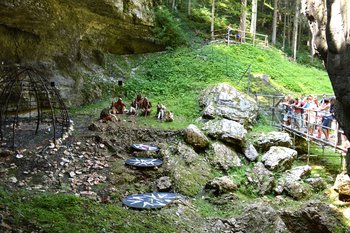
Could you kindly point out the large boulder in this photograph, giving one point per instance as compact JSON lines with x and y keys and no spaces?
{"x":224,"y":101}
{"x":225,"y":157}
{"x":291,"y":182}
{"x":221,"y":185}
{"x":226,"y":130}
{"x":342,"y":186}
{"x":279,"y":158}
{"x":261,"y":178}
{"x":313,"y":217}
{"x":195,"y":137}
{"x":250,"y":152}
{"x":258,"y":217}
{"x":317,"y":183}
{"x":265,"y":141}
{"x":188,"y":171}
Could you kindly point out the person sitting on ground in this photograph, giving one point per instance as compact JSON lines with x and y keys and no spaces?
{"x":146,"y":107}
{"x":169,"y":116}
{"x":118,"y":107}
{"x":160,"y":111}
{"x":133,"y":107}
{"x":106,"y":115}
{"x":139,"y":101}
{"x":136,"y":104}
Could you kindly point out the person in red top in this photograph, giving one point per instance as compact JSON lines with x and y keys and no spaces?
{"x":298,"y":112}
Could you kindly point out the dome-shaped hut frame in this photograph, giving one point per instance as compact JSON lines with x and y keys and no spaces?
{"x":29,"y":105}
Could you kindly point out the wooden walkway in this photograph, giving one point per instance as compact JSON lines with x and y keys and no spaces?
{"x":332,"y":143}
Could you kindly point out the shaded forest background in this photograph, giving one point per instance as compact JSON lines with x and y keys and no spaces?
{"x":281,"y":20}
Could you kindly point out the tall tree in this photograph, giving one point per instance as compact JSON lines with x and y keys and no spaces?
{"x":284,"y":25}
{"x":243,"y":19}
{"x":254,"y":16}
{"x":212,"y":19}
{"x":295,"y":29}
{"x":274,"y":22}
{"x":189,"y":8}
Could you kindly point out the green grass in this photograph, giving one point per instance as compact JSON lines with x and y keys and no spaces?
{"x":177,"y":77}
{"x":68,"y":213}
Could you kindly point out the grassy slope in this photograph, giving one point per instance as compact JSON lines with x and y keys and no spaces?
{"x":176,"y":78}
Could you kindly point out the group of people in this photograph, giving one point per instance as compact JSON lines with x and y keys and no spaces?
{"x":310,"y":113}
{"x":139,"y":106}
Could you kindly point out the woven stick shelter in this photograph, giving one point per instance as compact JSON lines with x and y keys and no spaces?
{"x":31,"y":108}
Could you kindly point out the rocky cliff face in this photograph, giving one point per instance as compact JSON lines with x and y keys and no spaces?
{"x":330,"y":24}
{"x":75,"y":30}
{"x":68,"y":40}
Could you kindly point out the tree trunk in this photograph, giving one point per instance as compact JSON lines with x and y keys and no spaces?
{"x":300,"y":28}
{"x":284,"y":25}
{"x":295,"y":29}
{"x":243,"y":20}
{"x":311,"y":44}
{"x":189,"y":8}
{"x":274,"y":23}
{"x":254,"y":17}
{"x":173,"y":4}
{"x":212,"y":19}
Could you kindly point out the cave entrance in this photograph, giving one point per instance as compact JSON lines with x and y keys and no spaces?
{"x":32,"y":112}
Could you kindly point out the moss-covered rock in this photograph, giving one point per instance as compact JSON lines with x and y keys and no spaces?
{"x":68,"y":40}
{"x":32,"y":30}
{"x":188,"y":170}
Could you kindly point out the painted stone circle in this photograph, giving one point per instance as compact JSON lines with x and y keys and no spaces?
{"x":144,"y":162}
{"x":150,"y":200}
{"x":145,"y":147}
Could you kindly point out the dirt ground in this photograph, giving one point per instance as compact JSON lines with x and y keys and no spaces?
{"x":90,"y":162}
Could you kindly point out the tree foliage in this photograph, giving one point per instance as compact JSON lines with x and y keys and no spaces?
{"x":167,"y":29}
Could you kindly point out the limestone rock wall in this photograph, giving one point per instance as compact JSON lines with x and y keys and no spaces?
{"x":68,"y":39}
{"x":77,"y":30}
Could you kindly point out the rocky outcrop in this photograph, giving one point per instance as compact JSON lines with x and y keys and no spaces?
{"x":163,"y":183}
{"x":224,"y":101}
{"x":258,"y":217}
{"x":188,"y":170}
{"x":342,"y":187}
{"x":313,"y":217}
{"x":317,"y":183}
{"x":226,"y":130}
{"x":265,"y":141}
{"x":74,"y":30}
{"x":225,"y":157}
{"x":279,"y":158}
{"x":329,"y":24}
{"x":67,"y":41}
{"x":250,"y":152}
{"x":195,"y":137}
{"x":221,"y":185}
{"x":291,"y":182}
{"x":261,"y":178}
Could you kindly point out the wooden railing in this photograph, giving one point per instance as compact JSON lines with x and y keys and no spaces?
{"x":223,"y":36}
